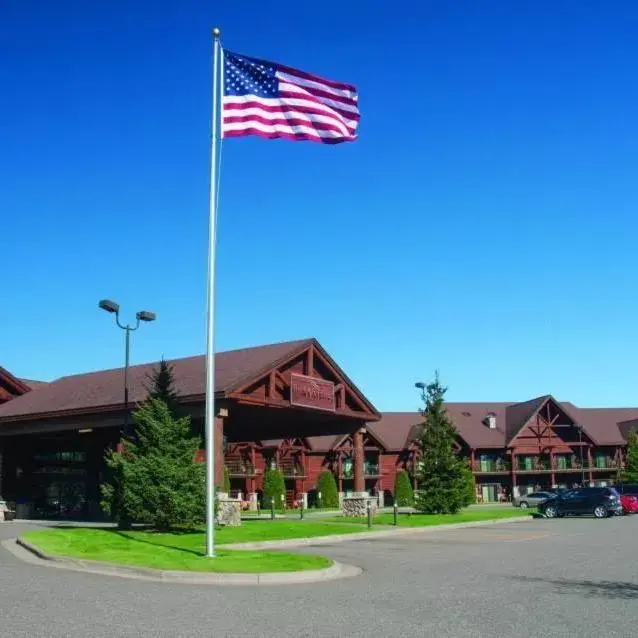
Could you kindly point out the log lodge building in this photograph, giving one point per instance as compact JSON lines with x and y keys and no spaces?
{"x":290,"y":406}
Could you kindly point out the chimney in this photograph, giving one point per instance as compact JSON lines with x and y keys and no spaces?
{"x":490,"y":420}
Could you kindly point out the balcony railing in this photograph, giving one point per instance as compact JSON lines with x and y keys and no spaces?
{"x":491,"y":466}
{"x":238,"y":467}
{"x":291,"y":470}
{"x":566,"y":465}
{"x":369,"y":470}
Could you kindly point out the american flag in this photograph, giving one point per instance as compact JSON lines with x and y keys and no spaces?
{"x":272,"y":100}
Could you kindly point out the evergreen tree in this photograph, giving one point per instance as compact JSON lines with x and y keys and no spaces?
{"x":327,"y":485}
{"x":630,"y":471}
{"x":443,"y":477}
{"x":274,"y":487}
{"x":156,"y":479}
{"x":466,"y":472}
{"x":403,"y":492}
{"x":162,"y":385}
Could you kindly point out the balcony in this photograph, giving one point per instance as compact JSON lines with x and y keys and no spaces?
{"x":606,"y":464}
{"x":559,"y":464}
{"x":370,"y":470}
{"x":237,"y":467}
{"x":291,"y":470}
{"x":491,"y":466}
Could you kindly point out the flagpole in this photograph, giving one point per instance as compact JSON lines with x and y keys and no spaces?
{"x":210,"y":319}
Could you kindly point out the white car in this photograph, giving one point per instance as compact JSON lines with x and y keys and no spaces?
{"x":532,"y":500}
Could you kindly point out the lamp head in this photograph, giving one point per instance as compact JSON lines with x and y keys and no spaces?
{"x":420,"y":385}
{"x":145,"y":315}
{"x":109,"y":306}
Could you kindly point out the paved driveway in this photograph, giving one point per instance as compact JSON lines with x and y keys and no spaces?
{"x":539,"y":578}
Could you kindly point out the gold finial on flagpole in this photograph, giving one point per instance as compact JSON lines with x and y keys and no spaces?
{"x":216,"y":32}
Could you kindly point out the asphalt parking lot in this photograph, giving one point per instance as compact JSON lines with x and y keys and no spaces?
{"x":539,"y":578}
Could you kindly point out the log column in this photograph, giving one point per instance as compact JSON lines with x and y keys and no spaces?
{"x":359,"y":477}
{"x":219,"y":451}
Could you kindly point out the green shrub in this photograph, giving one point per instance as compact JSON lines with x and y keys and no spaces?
{"x":327,"y":485}
{"x":403,"y":492}
{"x":274,"y":487}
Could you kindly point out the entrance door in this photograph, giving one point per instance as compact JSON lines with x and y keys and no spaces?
{"x":489,"y":494}
{"x":62,"y":499}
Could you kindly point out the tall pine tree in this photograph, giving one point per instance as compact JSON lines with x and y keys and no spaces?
{"x":155,"y":478}
{"x":443,"y":486}
{"x":630,"y":471}
{"x":162,"y":385}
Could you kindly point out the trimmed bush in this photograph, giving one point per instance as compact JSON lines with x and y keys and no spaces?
{"x":327,"y":485}
{"x":274,"y":487}
{"x":403,"y":493}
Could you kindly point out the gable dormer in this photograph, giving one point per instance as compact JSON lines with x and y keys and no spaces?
{"x":10,"y":386}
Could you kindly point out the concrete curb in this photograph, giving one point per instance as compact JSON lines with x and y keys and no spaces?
{"x":37,"y":556}
{"x":384,"y":533}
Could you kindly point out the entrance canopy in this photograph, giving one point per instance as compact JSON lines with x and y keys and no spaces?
{"x":296,"y":381}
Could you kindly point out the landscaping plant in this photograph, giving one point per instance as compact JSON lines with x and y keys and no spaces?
{"x":327,"y":485}
{"x":443,"y":479}
{"x":274,"y":487}
{"x":155,"y":477}
{"x":403,"y":492}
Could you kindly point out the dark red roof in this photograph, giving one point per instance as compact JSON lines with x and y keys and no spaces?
{"x":103,"y":388}
{"x":31,"y":383}
{"x":601,"y":424}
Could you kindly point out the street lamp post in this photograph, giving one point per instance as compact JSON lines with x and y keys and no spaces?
{"x":142,"y":315}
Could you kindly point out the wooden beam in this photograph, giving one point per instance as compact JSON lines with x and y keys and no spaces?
{"x":271,"y":385}
{"x":310,"y":361}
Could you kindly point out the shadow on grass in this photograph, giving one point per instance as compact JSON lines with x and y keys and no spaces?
{"x":588,"y":588}
{"x":147,"y":541}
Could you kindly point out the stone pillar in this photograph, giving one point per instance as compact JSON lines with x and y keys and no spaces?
{"x":252,"y":501}
{"x":381,"y":498}
{"x":359,"y":477}
{"x":219,"y":451}
{"x":304,"y":498}
{"x":228,"y":511}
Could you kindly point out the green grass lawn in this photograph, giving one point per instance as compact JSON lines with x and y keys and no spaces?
{"x":185,"y":550}
{"x":178,"y":551}
{"x":282,"y":529}
{"x":424,"y":520}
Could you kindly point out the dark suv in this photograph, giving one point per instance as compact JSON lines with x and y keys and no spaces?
{"x":599,"y":501}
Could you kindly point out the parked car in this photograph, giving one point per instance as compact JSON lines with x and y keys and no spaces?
{"x":597,"y":501}
{"x":531,"y":500}
{"x":629,"y":504}
{"x":629,"y":489}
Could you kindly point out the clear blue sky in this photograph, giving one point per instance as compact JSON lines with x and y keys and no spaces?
{"x":484,"y":224}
